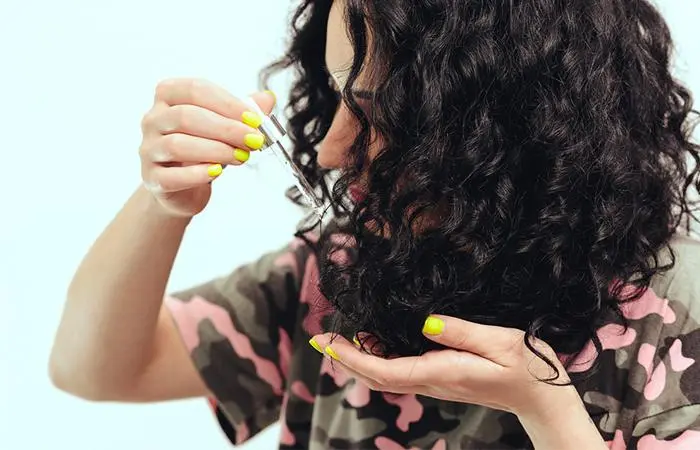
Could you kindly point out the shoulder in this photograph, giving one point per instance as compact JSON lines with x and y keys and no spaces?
{"x":666,"y":373}
{"x":682,"y":282}
{"x":647,"y":388}
{"x":680,"y":286}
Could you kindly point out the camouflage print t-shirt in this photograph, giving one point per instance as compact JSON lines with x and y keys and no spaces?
{"x":248,"y":335}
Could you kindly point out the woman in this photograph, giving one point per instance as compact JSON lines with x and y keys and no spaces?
{"x":510,"y":266}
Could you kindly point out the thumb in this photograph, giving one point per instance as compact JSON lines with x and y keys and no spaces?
{"x":491,"y":342}
{"x":265,"y":100}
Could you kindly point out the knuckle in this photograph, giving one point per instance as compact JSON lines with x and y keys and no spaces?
{"x":143,"y":151}
{"x":179,"y":117}
{"x":463,"y":339}
{"x":155,"y":152}
{"x":164,"y":86}
{"x":172,"y":146}
{"x":148,"y":120}
{"x":195,"y":84}
{"x":194,"y":88}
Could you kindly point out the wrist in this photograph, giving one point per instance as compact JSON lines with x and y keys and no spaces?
{"x":561,"y":422}
{"x":153,"y":208}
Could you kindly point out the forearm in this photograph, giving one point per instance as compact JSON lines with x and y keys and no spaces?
{"x":105,"y":337}
{"x":562,"y":423}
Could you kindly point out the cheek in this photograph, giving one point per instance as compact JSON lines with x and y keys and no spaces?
{"x":340,"y":137}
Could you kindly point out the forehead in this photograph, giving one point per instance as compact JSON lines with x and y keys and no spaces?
{"x":339,"y":52}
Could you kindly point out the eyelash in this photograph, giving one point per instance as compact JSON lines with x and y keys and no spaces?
{"x":361,"y":95}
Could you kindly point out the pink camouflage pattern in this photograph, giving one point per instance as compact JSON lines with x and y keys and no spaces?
{"x":248,"y":336}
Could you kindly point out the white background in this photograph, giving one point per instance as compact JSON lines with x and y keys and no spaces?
{"x":75,"y":78}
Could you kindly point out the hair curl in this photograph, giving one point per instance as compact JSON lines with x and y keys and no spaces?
{"x":547,"y":139}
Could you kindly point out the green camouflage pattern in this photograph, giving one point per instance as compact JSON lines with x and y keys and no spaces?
{"x":248,"y":336}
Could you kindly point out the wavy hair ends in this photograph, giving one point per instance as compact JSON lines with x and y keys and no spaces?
{"x":536,"y":158}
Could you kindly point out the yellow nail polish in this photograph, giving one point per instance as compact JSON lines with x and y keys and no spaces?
{"x":254,"y":141}
{"x":215,"y":170}
{"x":241,"y":155}
{"x":433,"y":326}
{"x":251,"y":119}
{"x":269,"y":92}
{"x":330,"y":352}
{"x":315,"y":345}
{"x":356,"y":341}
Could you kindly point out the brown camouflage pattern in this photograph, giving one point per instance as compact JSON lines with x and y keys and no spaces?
{"x":248,"y":335}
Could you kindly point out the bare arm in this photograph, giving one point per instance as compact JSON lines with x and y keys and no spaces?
{"x":115,"y":340}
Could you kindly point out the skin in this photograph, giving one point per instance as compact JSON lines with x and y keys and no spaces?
{"x":116,"y":342}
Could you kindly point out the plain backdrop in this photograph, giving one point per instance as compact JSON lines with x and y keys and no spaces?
{"x":75,"y":77}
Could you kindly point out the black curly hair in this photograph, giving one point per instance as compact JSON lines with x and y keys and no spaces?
{"x":546,"y":141}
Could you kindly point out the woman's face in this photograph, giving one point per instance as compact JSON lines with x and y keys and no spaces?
{"x":345,"y":128}
{"x":339,"y":56}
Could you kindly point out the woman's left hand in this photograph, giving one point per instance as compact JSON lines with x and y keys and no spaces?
{"x":483,"y":365}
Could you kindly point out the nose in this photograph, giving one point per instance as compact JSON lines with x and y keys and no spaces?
{"x":334,"y":147}
{"x":330,"y":156}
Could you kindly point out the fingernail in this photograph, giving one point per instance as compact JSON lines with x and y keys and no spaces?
{"x":215,"y":170}
{"x":356,"y":341}
{"x":433,"y":326}
{"x":332,"y":353}
{"x":251,"y":119}
{"x":254,"y":141}
{"x":269,"y":92}
{"x":241,"y":155}
{"x":315,"y":345}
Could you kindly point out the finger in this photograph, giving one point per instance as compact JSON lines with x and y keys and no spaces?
{"x":374,"y":386}
{"x":394,"y":373}
{"x":369,"y":382}
{"x":185,"y":148}
{"x":439,"y":367}
{"x":196,"y":121}
{"x":174,"y":179}
{"x":203,"y":93}
{"x":491,"y":342}
{"x":368,"y":343}
{"x":266,"y":100}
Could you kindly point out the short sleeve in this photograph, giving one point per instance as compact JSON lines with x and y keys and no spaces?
{"x":645,"y":393}
{"x":668,"y":359}
{"x":238,"y":330}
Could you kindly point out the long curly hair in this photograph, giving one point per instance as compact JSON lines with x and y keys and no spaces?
{"x":536,"y":159}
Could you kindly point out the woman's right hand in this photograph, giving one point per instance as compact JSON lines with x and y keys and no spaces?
{"x":193,"y":129}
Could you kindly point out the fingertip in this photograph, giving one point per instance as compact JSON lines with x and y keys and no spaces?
{"x":240,"y":155}
{"x":266,"y":100}
{"x":330,"y":352}
{"x":215,"y":170}
{"x":433,"y":326}
{"x":315,"y":345}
